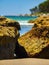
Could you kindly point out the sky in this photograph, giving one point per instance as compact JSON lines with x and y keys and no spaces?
{"x":17,"y":7}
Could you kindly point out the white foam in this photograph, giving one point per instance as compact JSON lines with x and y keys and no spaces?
{"x":21,"y":21}
{"x":26,"y":24}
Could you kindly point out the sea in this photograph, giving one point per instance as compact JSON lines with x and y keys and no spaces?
{"x":23,"y":21}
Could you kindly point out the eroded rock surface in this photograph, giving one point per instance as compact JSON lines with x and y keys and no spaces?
{"x":36,"y":41}
{"x":9,"y":34}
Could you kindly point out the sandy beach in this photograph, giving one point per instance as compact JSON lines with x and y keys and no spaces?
{"x":27,"y":61}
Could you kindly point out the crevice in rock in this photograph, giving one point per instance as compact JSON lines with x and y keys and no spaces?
{"x":20,"y":51}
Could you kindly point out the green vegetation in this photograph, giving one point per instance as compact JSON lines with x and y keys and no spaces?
{"x":41,"y":8}
{"x":44,"y":7}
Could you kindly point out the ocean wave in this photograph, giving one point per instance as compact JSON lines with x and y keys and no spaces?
{"x":25,"y":23}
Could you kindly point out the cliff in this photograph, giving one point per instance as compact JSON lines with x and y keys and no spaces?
{"x":9,"y":34}
{"x":36,"y":41}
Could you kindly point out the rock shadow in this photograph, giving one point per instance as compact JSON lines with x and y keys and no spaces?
{"x":20,"y":51}
{"x":44,"y":54}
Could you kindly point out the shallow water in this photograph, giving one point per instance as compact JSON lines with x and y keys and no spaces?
{"x":25,"y":29}
{"x":24,"y":20}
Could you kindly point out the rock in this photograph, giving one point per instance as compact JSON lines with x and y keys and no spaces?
{"x":10,"y":23}
{"x":20,"y":51}
{"x":2,"y":18}
{"x":31,"y":21}
{"x":36,"y":41}
{"x":42,"y":20}
{"x":9,"y":35}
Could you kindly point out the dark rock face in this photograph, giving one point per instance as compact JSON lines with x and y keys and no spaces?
{"x":2,"y":18}
{"x":7,"y":47}
{"x":15,"y":24}
{"x":20,"y":51}
{"x":9,"y":35}
{"x":43,"y":54}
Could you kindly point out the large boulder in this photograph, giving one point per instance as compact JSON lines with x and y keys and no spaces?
{"x":36,"y":41}
{"x":9,"y":34}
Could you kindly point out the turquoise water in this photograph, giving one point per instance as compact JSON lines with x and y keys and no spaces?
{"x":23,"y":19}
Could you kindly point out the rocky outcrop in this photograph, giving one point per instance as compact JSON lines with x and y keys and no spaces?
{"x":42,"y":20}
{"x":31,"y":21}
{"x":36,"y":41}
{"x":9,"y":34}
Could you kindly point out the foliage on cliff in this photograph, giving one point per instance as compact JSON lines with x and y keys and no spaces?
{"x":41,"y":8}
{"x":44,"y":7}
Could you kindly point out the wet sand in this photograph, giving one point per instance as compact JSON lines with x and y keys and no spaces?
{"x":27,"y":61}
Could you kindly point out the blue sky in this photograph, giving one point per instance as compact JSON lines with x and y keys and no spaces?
{"x":16,"y":7}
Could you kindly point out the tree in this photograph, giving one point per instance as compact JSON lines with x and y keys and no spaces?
{"x":34,"y":10}
{"x":44,"y":7}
